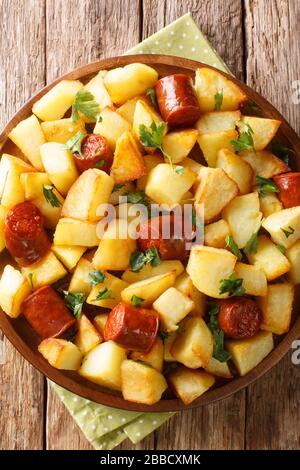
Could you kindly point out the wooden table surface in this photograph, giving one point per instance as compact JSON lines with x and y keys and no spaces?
{"x":42,"y":39}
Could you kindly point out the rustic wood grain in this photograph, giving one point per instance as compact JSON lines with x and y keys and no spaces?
{"x":222,"y":23}
{"x":272,"y":37}
{"x":21,"y":75}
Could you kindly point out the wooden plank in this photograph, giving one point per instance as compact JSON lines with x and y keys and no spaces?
{"x":21,"y":75}
{"x":221,"y":22}
{"x":98,"y":29}
{"x":272,"y":37}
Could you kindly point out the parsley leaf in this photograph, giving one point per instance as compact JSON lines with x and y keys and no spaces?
{"x":75,"y":302}
{"x":96,"y":277}
{"x":30,"y":279}
{"x":288,"y":231}
{"x":117,"y":187}
{"x":244,"y":141}
{"x":50,"y":196}
{"x":153,"y":137}
{"x":281,"y":248}
{"x":218,"y":100}
{"x":103,"y":294}
{"x":219,"y":352}
{"x":152,"y":95}
{"x":266,"y":186}
{"x":138,"y":259}
{"x":281,"y":151}
{"x":163,"y":334}
{"x":86,"y":104}
{"x":179,"y":170}
{"x":100,"y":164}
{"x":74,"y":143}
{"x":252,"y":244}
{"x":137,"y":197}
{"x":232,"y":285}
{"x":230,"y":243}
{"x":136,"y":301}
{"x":253,"y":107}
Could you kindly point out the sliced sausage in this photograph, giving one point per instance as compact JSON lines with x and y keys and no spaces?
{"x":25,"y":236}
{"x":95,"y":154}
{"x":177,"y":100}
{"x":131,"y":327}
{"x":47,"y":313}
{"x":239,"y":317}
{"x":289,"y":189}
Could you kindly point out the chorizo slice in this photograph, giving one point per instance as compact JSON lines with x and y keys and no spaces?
{"x":25,"y":236}
{"x":95,"y":154}
{"x":289,"y":189}
{"x":131,"y":327}
{"x":47,"y":313}
{"x":177,"y":100}
{"x":239,"y":317}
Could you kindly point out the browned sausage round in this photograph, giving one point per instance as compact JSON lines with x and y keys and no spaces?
{"x":177,"y":100}
{"x":47,"y":313}
{"x":289,"y":189}
{"x":25,"y":236}
{"x":133,"y":328}
{"x":239,"y":317}
{"x":95,"y":154}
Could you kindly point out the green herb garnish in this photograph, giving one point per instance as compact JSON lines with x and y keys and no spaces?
{"x":281,"y":151}
{"x":218,"y":100}
{"x":96,"y":277}
{"x":195,"y":220}
{"x":136,"y":301}
{"x":252,"y":244}
{"x":137,"y":197}
{"x":30,"y":278}
{"x":266,"y":185}
{"x":244,"y":141}
{"x":179,"y":170}
{"x":74,"y":143}
{"x":117,"y":187}
{"x":163,"y":334}
{"x":253,"y":107}
{"x":50,"y":196}
{"x":230,"y":243}
{"x":138,"y":259}
{"x":86,"y":104}
{"x":100,"y":164}
{"x":152,"y":95}
{"x":281,"y":248}
{"x":219,"y":352}
{"x":232,"y":285}
{"x":288,"y":231}
{"x":103,"y":294}
{"x":153,"y":137}
{"x":75,"y":302}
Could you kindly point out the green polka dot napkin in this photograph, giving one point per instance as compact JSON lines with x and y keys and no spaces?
{"x":107,"y":427}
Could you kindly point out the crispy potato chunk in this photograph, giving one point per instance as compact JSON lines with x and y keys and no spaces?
{"x":238,"y":170}
{"x":51,"y":214}
{"x":215,"y":234}
{"x":172,"y":306}
{"x":112,"y":126}
{"x":46,"y":271}
{"x":80,"y":281}
{"x":269,"y":258}
{"x":212,"y":142}
{"x":293,"y":255}
{"x":69,"y":255}
{"x":87,"y":336}
{"x":128,"y":164}
{"x":100,"y":322}
{"x":14,"y":288}
{"x":11,"y":188}
{"x":254,"y":278}
{"x":60,"y":353}
{"x":73,"y":232}
{"x":270,"y":204}
{"x":114,"y":285}
{"x":284,"y":226}
{"x":178,"y":144}
{"x":190,"y":384}
{"x":33,"y":184}
{"x":153,"y":358}
{"x":220,"y":369}
{"x":277,"y":308}
{"x":184,"y":284}
{"x":97,"y":88}
{"x":218,"y":121}
{"x":150,"y":271}
{"x":61,"y":130}
{"x":264,"y":163}
{"x":30,"y":147}
{"x":263,"y":129}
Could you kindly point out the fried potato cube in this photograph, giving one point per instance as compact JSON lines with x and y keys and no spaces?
{"x":264,"y":163}
{"x":150,"y":162}
{"x":168,"y":342}
{"x":33,"y":183}
{"x":46,"y":271}
{"x":30,"y":147}
{"x":270,"y":204}
{"x":51,"y":213}
{"x":102,"y":365}
{"x":172,"y":306}
{"x":178,"y":144}
{"x":144,"y":115}
{"x":254,"y":278}
{"x":114,"y":286}
{"x":61,"y":130}
{"x":80,"y":281}
{"x":165,"y":186}
{"x":100,"y":322}
{"x":243,"y":217}
{"x":97,"y":88}
{"x":3,"y":213}
{"x":218,"y":121}
{"x":11,"y":188}
{"x":220,"y":369}
{"x":277,"y":308}
{"x":141,"y":383}
{"x":60,"y":166}
{"x":149,"y":289}
{"x":215,"y":234}
{"x":14,"y":288}
{"x":263,"y":129}
{"x":69,"y":255}
{"x":248,"y":353}
{"x":238,"y":170}
{"x":128,"y":108}
{"x":184,"y":284}
{"x":269,"y":258}
{"x":293,"y":255}
{"x":212,"y":142}
{"x":193,"y":346}
{"x":60,"y":353}
{"x":73,"y":232}
{"x":124,"y":83}
{"x":190,"y":384}
{"x":284,"y":226}
{"x":88,"y":192}
{"x":115,"y":247}
{"x":121,"y":190}
{"x":87,"y":336}
{"x":215,"y":190}
{"x":112,"y":126}
{"x":54,"y":104}
{"x":128,"y":163}
{"x":208,"y":266}
{"x":150,"y":271}
{"x":208,"y":82}
{"x":153,"y":358}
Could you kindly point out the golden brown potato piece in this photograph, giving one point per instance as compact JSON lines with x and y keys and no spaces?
{"x":277,"y":308}
{"x":215,"y":234}
{"x":212,"y":142}
{"x":60,"y":353}
{"x":263,"y":129}
{"x":264,"y":163}
{"x":238,"y":170}
{"x":269,"y":258}
{"x":14,"y":288}
{"x":190,"y":384}
{"x":128,"y":164}
{"x":154,"y":357}
{"x":87,"y":336}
